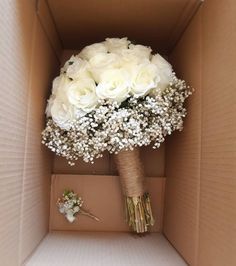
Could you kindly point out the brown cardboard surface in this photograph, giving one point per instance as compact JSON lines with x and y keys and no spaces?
{"x":49,"y":26}
{"x":15,"y":71}
{"x":183,"y":151}
{"x":217,"y":231}
{"x":38,"y":160}
{"x":156,"y":23}
{"x":200,"y":198}
{"x":26,"y":67}
{"x":103,"y":197}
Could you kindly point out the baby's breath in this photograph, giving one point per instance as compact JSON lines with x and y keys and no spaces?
{"x":112,"y":127}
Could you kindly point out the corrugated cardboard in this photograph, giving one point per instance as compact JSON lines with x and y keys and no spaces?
{"x":184,"y":150}
{"x":37,"y":160}
{"x":15,"y":68}
{"x":156,"y":23}
{"x":217,"y":228}
{"x":27,"y":66}
{"x":200,"y":161}
{"x":200,"y":211}
{"x":105,"y":249}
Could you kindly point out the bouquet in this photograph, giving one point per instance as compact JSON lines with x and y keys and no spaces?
{"x":116,"y":96}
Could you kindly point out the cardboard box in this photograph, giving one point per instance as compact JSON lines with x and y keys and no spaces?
{"x":199,"y":163}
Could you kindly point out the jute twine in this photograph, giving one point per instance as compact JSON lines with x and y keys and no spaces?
{"x":137,"y":201}
{"x":131,"y":172}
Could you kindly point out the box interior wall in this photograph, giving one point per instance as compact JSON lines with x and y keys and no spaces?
{"x":198,"y":163}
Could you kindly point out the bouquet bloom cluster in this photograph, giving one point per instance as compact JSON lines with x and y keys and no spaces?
{"x":70,"y":205}
{"x":113,"y":96}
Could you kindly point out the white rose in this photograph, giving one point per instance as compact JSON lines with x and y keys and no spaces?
{"x":115,"y":45}
{"x":59,"y":86}
{"x":67,"y":64}
{"x":62,"y":113}
{"x":140,"y":51}
{"x":137,"y":54}
{"x":114,"y":85}
{"x":145,"y":78}
{"x":91,"y":50}
{"x":165,"y":71}
{"x":77,"y":69}
{"x":49,"y":105}
{"x":102,"y":62}
{"x":82,"y":94}
{"x":58,"y":97}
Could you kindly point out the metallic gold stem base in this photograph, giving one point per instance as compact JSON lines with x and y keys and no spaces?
{"x":139,"y":213}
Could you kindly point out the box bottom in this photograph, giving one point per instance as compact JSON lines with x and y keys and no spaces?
{"x":104,"y":249}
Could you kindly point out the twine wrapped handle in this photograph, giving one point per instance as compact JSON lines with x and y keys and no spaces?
{"x":131,"y":172}
{"x":137,"y":201}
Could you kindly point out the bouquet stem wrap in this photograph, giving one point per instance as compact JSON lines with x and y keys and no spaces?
{"x":137,"y":201}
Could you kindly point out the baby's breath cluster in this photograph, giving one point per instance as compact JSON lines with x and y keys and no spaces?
{"x":116,"y":126}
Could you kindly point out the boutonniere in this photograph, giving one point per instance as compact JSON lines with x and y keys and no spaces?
{"x":70,"y":205}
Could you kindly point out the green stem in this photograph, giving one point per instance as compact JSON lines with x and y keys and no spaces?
{"x":83,"y":212}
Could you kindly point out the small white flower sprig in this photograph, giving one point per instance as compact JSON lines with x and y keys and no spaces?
{"x":70,"y":205}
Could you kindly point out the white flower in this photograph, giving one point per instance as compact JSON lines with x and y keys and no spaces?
{"x":59,"y":86}
{"x":82,"y":94}
{"x":102,"y":62}
{"x":115,"y":45}
{"x":114,"y":85}
{"x":70,"y":217}
{"x":61,"y":208}
{"x":59,"y":106}
{"x":62,"y":113}
{"x":77,"y":69}
{"x":137,"y":54}
{"x":91,"y":50}
{"x":67,"y":64}
{"x":165,"y":71}
{"x":145,"y":78}
{"x":128,"y":60}
{"x":49,"y":105}
{"x":141,"y":51}
{"x":76,"y":209}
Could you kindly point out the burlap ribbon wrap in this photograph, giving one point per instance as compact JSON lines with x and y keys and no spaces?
{"x":137,"y":200}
